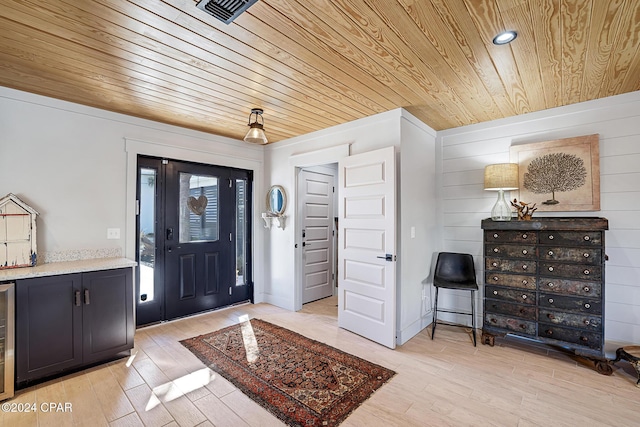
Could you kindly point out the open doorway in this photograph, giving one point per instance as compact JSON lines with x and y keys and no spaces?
{"x":317,"y":227}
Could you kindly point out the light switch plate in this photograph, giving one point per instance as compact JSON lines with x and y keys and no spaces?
{"x":113,"y":233}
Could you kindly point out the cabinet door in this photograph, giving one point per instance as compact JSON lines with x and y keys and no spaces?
{"x":108,"y":328}
{"x":48,"y":326}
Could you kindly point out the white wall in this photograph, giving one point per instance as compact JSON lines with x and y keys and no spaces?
{"x":76,"y":166}
{"x":467,"y":150}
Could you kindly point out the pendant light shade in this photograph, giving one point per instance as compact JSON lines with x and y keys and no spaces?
{"x":256,"y":133}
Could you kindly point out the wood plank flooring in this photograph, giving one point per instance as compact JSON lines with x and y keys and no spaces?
{"x":444,"y":382}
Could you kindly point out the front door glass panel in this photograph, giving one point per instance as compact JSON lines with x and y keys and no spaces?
{"x":198,"y":208}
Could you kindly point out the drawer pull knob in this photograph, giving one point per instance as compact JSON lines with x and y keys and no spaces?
{"x":494,"y":264}
{"x":524,"y":236}
{"x":495,"y":292}
{"x":495,"y":236}
{"x":551,"y":284}
{"x":495,"y":278}
{"x":550,"y":236}
{"x":550,"y":268}
{"x":586,"y":255}
{"x":586,"y":272}
{"x":584,"y":339}
{"x":522,"y":311}
{"x":550,"y":300}
{"x":586,"y":289}
{"x":587,"y":306}
{"x":496,"y":250}
{"x":550,"y":253}
{"x":587,"y":322}
{"x":524,"y":297}
{"x":524,"y":267}
{"x":494,"y":321}
{"x":548,"y":332}
{"x":524,"y":252}
{"x":523,"y":326}
{"x":587,"y":238}
{"x":551,"y":316}
{"x":524,"y":282}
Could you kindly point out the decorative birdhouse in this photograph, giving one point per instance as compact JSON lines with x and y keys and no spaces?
{"x":17,"y":233}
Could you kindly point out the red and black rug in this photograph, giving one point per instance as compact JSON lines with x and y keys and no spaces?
{"x":301,"y":381}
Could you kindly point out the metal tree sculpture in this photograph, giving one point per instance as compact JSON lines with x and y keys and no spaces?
{"x":555,"y":172}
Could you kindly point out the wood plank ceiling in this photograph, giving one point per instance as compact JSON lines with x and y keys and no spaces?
{"x":311,"y":64}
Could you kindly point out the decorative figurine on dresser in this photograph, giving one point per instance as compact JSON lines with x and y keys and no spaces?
{"x":544,"y":280}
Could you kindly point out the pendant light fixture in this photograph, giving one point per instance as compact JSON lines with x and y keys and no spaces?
{"x":256,"y":133}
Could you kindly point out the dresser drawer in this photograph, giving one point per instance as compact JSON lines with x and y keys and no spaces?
{"x":511,"y":265}
{"x":510,"y":251}
{"x":584,"y":338}
{"x":571,"y":238}
{"x":586,"y":321}
{"x":511,"y":236}
{"x":515,"y":295}
{"x":510,"y":309}
{"x":574,"y":304}
{"x":572,"y":271}
{"x":590,"y":256}
{"x":517,"y":325}
{"x":511,"y":280}
{"x":570,"y":287}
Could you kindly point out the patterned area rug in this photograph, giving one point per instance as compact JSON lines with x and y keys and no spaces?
{"x":301,"y":381}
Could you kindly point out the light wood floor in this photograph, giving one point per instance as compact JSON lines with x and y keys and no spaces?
{"x":442,"y":382}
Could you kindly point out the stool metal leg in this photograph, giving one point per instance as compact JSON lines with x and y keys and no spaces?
{"x":435,"y":315}
{"x":473,"y":316}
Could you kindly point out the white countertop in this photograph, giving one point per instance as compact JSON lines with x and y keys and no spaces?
{"x":55,"y":268}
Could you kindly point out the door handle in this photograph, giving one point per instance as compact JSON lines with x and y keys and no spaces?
{"x":387,"y":257}
{"x":170,"y":233}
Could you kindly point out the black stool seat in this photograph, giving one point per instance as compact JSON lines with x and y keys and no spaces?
{"x":455,"y":271}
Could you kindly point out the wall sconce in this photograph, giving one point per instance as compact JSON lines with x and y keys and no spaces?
{"x":256,"y":133}
{"x":501,"y":177}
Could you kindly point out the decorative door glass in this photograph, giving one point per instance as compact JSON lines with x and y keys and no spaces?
{"x":198,"y":208}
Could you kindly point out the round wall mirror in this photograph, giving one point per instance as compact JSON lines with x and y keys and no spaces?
{"x":276,"y":200}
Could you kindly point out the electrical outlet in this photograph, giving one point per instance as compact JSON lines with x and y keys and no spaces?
{"x":113,"y":233}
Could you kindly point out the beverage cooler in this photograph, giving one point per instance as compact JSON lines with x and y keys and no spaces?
{"x":7,"y":328}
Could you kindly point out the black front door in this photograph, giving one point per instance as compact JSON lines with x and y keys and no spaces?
{"x":202,"y":238}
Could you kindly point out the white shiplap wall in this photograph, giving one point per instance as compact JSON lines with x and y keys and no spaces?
{"x":467,"y":150}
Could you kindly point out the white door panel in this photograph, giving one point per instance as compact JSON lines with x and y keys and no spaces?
{"x":366,"y":279}
{"x":315,"y":192}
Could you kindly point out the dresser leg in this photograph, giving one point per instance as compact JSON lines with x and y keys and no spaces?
{"x":488,"y":339}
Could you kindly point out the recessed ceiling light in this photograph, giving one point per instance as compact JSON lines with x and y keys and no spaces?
{"x":505,"y":37}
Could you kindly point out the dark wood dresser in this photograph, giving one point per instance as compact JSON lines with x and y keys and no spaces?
{"x":544,"y":280}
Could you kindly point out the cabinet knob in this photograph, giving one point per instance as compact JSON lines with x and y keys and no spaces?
{"x":587,"y":322}
{"x":524,"y":297}
{"x":587,"y":306}
{"x":586,"y":255}
{"x":584,"y":339}
{"x":523,"y":326}
{"x":586,"y":289}
{"x":551,"y":316}
{"x":550,"y":300}
{"x":494,"y":321}
{"x":524,"y":266}
{"x":587,"y":238}
{"x":496,"y":250}
{"x":550,"y":236}
{"x":524,"y":282}
{"x":495,"y":235}
{"x":524,"y":252}
{"x":495,"y":292}
{"x":494,"y":264}
{"x":550,"y":253}
{"x":548,"y":332}
{"x":522,"y":311}
{"x":551,"y":284}
{"x":586,"y":272}
{"x":524,"y":236}
{"x":495,"y":278}
{"x":550,"y":268}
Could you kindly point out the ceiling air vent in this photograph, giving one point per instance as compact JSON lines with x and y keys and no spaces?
{"x":225,"y":10}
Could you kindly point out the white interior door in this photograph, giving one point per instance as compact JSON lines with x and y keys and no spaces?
{"x":315,"y":193}
{"x":367,"y":246}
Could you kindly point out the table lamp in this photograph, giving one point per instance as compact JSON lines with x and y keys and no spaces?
{"x":501,"y":177}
